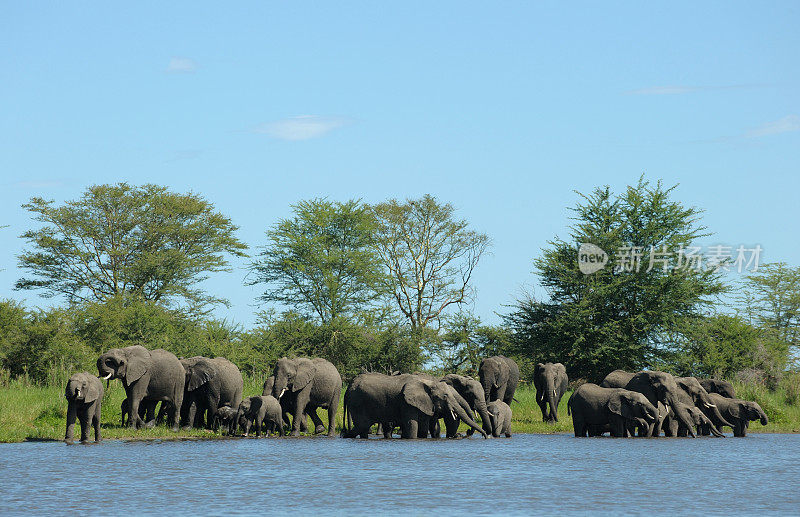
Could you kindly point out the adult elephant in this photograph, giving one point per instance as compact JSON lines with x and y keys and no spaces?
{"x":210,"y":384}
{"x":738,"y":412}
{"x":661,"y":387}
{"x":617,"y":379}
{"x":551,"y":381}
{"x":310,"y":384}
{"x":472,"y":392}
{"x":407,"y":400}
{"x":596,"y":409}
{"x":499,"y":377}
{"x":147,"y":376}
{"x":719,"y":386}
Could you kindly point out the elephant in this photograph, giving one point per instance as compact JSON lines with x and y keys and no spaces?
{"x":501,"y":418}
{"x":596,"y":409}
{"x":499,"y":377}
{"x":84,"y":393}
{"x":722,"y":387}
{"x":737,"y":412}
{"x":701,"y":399}
{"x":311,"y":384}
{"x":409,"y":401}
{"x":227,"y":418}
{"x":472,"y":392}
{"x":256,"y":410}
{"x":617,"y":379}
{"x":210,"y":384}
{"x":287,"y":405}
{"x":551,"y":383}
{"x":147,"y":376}
{"x":658,"y":387}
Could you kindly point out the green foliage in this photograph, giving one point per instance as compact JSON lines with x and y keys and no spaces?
{"x":464,"y":343}
{"x":724,"y":346}
{"x":430,"y":256}
{"x":117,"y":239}
{"x":612,"y":318}
{"x":322,"y":261}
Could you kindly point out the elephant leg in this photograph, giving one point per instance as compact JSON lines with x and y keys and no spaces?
{"x":319,"y":427}
{"x":69,"y":436}
{"x":300,"y":409}
{"x":333,"y":407}
{"x":96,"y":422}
{"x":134,"y":420}
{"x":86,"y":421}
{"x":177,"y":398}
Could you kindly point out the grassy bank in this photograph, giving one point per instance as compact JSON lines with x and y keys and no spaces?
{"x":30,"y":412}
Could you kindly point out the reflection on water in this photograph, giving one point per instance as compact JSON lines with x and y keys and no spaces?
{"x":523,"y":475}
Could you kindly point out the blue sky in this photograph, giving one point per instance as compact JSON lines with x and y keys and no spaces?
{"x":502,"y":110}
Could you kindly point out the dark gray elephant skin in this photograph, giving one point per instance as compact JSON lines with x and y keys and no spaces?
{"x":260,"y":411}
{"x":409,"y":401}
{"x":472,"y":392}
{"x":311,"y":384}
{"x":148,"y":376}
{"x":210,"y":384}
{"x":287,"y":404}
{"x":84,"y":393}
{"x":596,"y":409}
{"x":501,"y":418}
{"x":738,"y":412}
{"x":551,"y":382}
{"x":719,"y":386}
{"x":499,"y":377}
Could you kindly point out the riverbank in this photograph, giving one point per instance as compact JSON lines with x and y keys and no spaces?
{"x":38,"y":413}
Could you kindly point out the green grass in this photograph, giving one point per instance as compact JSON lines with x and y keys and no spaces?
{"x":29,"y":412}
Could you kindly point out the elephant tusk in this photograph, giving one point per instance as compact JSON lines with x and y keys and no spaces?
{"x":710,"y":405}
{"x":554,"y":393}
{"x":282,"y":392}
{"x":453,"y":414}
{"x":107,"y":377}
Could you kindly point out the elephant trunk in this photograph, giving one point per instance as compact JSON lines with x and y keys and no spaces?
{"x":487,"y":388}
{"x":551,"y":402}
{"x":466,"y":419}
{"x":683,"y":416}
{"x":483,"y":411}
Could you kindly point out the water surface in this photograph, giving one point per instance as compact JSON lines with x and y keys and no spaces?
{"x":523,"y":475}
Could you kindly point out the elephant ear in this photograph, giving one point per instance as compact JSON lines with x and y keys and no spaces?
{"x":736,"y":410}
{"x":200,"y":373}
{"x":94,"y":389}
{"x":138,"y":362}
{"x":305,"y":372}
{"x":416,"y":394}
{"x":619,"y":406}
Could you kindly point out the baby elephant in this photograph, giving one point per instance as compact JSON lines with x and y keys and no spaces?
{"x":258,"y":410}
{"x":226,"y":417}
{"x":501,"y":418}
{"x":84,"y":394}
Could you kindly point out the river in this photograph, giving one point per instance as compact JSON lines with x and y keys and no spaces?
{"x":527,"y":474}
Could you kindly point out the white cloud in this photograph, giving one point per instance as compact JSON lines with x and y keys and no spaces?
{"x":784,"y":125}
{"x":181,"y":65}
{"x":663,"y":90}
{"x":302,"y":127}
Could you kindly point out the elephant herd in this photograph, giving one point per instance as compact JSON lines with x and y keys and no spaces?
{"x":648,"y":403}
{"x":205,"y":392}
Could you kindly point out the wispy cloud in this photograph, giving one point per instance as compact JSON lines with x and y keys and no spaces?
{"x":663,"y":90}
{"x":181,"y":65}
{"x":681,"y":89}
{"x":302,"y":127}
{"x":786,"y":124}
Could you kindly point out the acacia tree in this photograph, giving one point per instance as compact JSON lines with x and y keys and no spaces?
{"x":322,"y":260}
{"x":120,"y":239}
{"x":614,"y":318}
{"x":430,"y":256}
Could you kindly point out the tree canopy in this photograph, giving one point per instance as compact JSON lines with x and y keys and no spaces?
{"x":430,"y":256}
{"x":612,"y":318}
{"x":118,"y":239}
{"x":322,"y":261}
